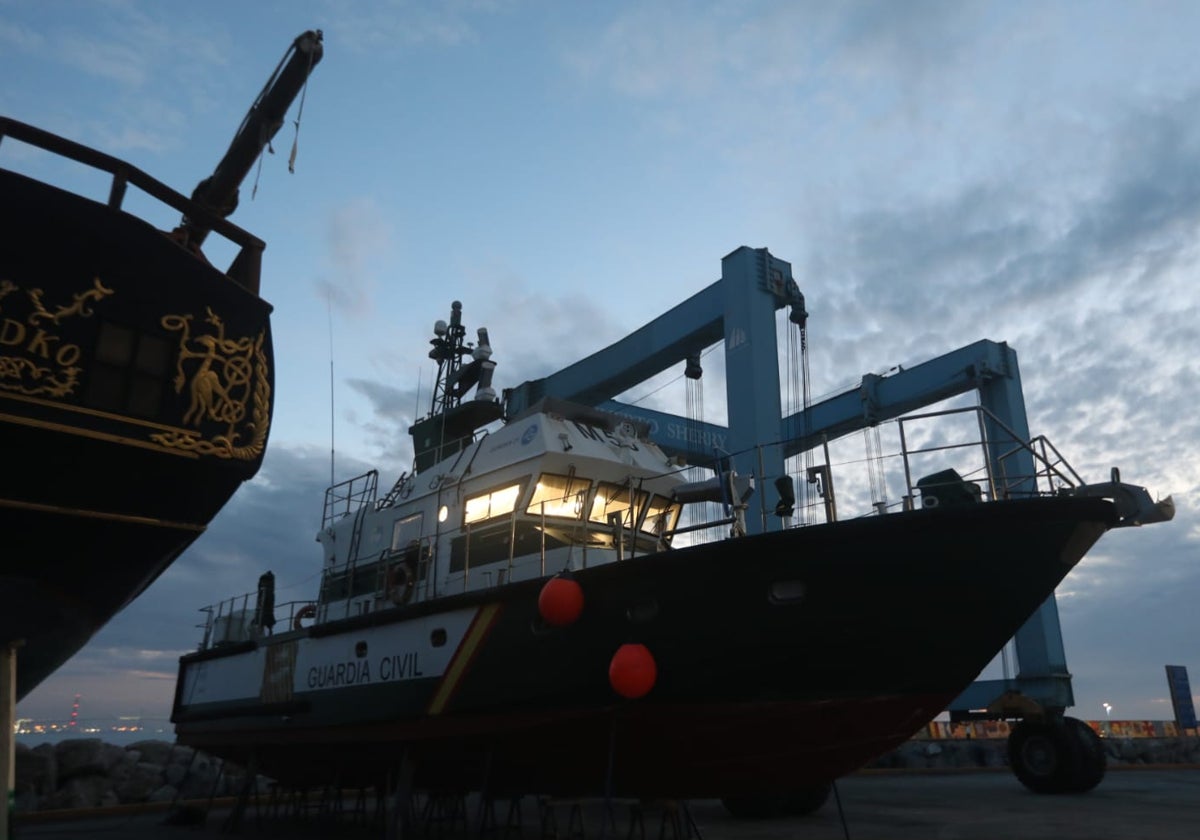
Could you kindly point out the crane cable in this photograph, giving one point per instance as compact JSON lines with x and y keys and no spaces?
{"x":299,"y":114}
{"x":295,"y":122}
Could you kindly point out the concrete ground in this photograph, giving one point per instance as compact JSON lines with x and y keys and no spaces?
{"x":1149,"y":804}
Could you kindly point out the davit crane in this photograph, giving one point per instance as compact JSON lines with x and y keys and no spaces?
{"x":218,"y":193}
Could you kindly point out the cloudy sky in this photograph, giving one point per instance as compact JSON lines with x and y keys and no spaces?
{"x":936,"y":172}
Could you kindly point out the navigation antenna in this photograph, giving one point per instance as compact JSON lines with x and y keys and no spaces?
{"x":329,"y":313}
{"x":452,"y":422}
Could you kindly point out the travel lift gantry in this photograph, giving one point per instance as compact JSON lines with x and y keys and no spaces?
{"x":739,"y":309}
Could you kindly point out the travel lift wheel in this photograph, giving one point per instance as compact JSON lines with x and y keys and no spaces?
{"x":1056,"y":755}
{"x":797,"y":804}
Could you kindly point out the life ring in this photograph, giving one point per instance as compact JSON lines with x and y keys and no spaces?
{"x":399,"y":583}
{"x":307,"y":611}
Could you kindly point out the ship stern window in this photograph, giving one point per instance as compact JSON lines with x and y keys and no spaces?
{"x":559,"y":495}
{"x":129,"y":373}
{"x":617,"y":499}
{"x":492,"y":503}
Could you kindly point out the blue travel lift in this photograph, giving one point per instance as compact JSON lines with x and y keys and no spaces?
{"x":740,"y":310}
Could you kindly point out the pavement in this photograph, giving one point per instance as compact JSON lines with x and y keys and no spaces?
{"x":1149,"y":804}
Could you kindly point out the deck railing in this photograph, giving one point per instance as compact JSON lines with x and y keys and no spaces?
{"x":240,"y":619}
{"x":246,"y":267}
{"x":1005,"y":467}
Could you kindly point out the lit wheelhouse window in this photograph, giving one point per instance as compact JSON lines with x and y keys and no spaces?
{"x":559,"y":495}
{"x":662,"y":515}
{"x":493,"y":503}
{"x":616,"y":498}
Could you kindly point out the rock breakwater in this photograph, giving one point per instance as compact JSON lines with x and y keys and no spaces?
{"x":965,"y":753}
{"x":89,"y":773}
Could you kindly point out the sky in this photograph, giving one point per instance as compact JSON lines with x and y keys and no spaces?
{"x":936,"y":173}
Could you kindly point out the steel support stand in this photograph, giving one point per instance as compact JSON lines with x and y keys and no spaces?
{"x":233,"y":823}
{"x":8,"y":738}
{"x":399,"y":822}
{"x":485,"y":818}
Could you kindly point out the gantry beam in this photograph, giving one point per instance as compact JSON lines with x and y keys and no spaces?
{"x":739,"y":309}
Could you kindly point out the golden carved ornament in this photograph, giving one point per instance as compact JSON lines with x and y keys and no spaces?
{"x":46,"y":365}
{"x":225,"y":378}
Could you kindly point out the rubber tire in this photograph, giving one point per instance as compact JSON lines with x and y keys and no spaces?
{"x":754,"y":807}
{"x":1093,"y":761}
{"x":1044,"y":756}
{"x":806,"y":801}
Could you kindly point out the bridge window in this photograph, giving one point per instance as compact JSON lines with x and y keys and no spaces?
{"x":661,"y":516}
{"x":615,"y":498}
{"x":493,"y":503}
{"x":559,"y":495}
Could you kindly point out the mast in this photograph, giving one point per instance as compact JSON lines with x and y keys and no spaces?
{"x":451,"y":422}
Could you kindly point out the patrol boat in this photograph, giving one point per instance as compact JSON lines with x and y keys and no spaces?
{"x":530,"y":611}
{"x":136,"y":379}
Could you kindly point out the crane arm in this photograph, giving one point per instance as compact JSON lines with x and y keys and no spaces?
{"x":218,"y":193}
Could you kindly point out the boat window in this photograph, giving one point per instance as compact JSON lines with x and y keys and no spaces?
{"x":129,"y":373}
{"x":353,"y":582}
{"x":559,"y":495}
{"x":661,"y":515}
{"x":614,"y":498}
{"x":493,"y":503}
{"x":499,"y":542}
{"x":405,"y":530}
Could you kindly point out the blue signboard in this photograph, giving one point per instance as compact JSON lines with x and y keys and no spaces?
{"x":1181,"y":696}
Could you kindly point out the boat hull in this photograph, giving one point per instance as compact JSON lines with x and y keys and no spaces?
{"x":135,"y":398}
{"x":783,"y":660}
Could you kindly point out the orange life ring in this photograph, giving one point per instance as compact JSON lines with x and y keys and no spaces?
{"x":307,"y":611}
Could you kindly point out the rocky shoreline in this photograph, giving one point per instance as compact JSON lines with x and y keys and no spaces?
{"x":89,"y":773}
{"x":965,"y":753}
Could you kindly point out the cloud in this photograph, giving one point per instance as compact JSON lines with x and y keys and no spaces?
{"x":123,"y":63}
{"x":392,"y":415}
{"x":393,"y":25}
{"x":20,"y":37}
{"x":357,"y":238}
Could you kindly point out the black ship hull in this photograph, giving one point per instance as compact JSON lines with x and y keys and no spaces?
{"x":135,"y":398}
{"x":783,"y":660}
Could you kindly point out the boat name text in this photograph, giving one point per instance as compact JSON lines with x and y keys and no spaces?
{"x":602,"y":435}
{"x":34,"y":360}
{"x":12,"y":334}
{"x":392,"y":668}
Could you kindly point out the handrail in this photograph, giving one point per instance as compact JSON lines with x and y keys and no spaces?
{"x":1043,"y":467}
{"x":1047,"y":464}
{"x":246,"y":266}
{"x":216,"y":612}
{"x":351,"y":500}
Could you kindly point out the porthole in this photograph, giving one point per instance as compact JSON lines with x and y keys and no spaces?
{"x":642,"y":612}
{"x":786,"y":592}
{"x":438,"y":637}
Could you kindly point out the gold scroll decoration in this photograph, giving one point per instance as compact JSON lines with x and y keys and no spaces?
{"x":34,"y":358}
{"x":228,"y":389}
